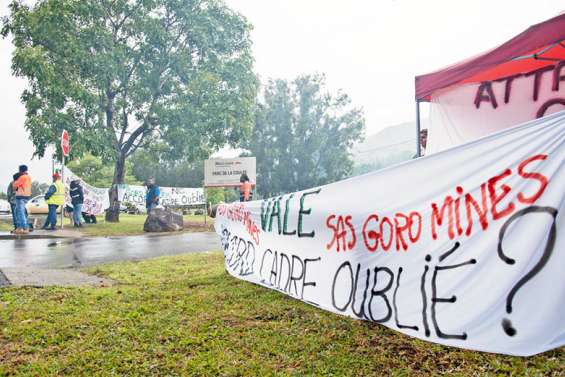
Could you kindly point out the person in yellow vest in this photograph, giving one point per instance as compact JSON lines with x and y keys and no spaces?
{"x":54,"y":197}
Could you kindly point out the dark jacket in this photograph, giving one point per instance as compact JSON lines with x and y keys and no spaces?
{"x":11,"y":194}
{"x":52,"y":189}
{"x":77,"y":194}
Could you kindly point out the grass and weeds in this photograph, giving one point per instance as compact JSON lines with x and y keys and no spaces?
{"x":129,"y":225}
{"x":184,"y":315}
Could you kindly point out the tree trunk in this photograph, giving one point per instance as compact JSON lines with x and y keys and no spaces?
{"x":113,"y":212}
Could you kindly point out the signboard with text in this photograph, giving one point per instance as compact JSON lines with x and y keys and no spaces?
{"x":463,"y":248}
{"x":225,"y":172}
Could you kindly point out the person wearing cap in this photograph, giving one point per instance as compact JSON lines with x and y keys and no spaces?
{"x":55,"y":197}
{"x":77,"y":199}
{"x":152,"y":196}
{"x":22,"y":187}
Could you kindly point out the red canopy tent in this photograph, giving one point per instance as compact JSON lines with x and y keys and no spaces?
{"x":539,"y":46}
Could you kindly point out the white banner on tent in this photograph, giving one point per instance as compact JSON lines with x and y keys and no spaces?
{"x":464,"y":113}
{"x":463,"y":248}
{"x":170,"y":196}
{"x":96,"y":200}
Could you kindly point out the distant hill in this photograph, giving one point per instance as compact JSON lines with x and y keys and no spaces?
{"x":390,"y":146}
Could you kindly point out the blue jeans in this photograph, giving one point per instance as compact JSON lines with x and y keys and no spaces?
{"x":21,"y":213}
{"x":51,"y":220}
{"x":77,"y":212}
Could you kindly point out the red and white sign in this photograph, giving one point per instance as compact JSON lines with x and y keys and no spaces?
{"x":65,"y":144}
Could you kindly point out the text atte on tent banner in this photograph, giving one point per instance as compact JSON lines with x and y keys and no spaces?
{"x":463,"y":248}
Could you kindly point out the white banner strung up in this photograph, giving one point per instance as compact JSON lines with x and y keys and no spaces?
{"x":463,"y":248}
{"x":96,"y":200}
{"x":170,"y":196}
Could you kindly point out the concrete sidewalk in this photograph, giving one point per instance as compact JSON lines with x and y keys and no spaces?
{"x":37,"y":234}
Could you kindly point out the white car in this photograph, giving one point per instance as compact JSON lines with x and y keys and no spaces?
{"x":5,"y":206}
{"x":38,"y":206}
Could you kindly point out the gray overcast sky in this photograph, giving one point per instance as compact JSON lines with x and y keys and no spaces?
{"x":370,"y":49}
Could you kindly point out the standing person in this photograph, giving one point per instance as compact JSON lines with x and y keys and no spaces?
{"x":245,"y":187}
{"x":77,"y":199}
{"x":22,"y":186}
{"x":54,"y":197}
{"x":152,"y":196}
{"x":423,"y":142}
{"x":11,"y":193}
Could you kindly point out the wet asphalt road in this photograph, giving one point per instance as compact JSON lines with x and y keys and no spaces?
{"x":66,"y":253}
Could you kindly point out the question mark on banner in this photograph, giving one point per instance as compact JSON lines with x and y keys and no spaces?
{"x":506,"y":323}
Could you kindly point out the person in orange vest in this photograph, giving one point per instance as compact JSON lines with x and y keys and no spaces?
{"x":245,"y":188}
{"x":55,"y":197}
{"x":22,"y":186}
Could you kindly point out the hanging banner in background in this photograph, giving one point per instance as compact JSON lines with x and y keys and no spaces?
{"x":225,"y":172}
{"x":463,"y":113}
{"x":96,"y":200}
{"x":463,"y":248}
{"x":170,"y":196}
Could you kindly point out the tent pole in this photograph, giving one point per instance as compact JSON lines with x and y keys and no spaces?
{"x":418,"y":149}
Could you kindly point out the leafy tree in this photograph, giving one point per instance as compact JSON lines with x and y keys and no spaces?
{"x":146,"y":164}
{"x":3,"y":195}
{"x":98,"y":174}
{"x":120,"y":75}
{"x":303,"y":135}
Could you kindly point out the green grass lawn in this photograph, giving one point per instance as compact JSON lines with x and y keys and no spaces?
{"x":184,"y":315}
{"x":128,"y":225}
{"x":131,"y":225}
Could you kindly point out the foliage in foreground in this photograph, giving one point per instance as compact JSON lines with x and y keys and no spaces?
{"x":124,"y":74}
{"x":184,"y":315}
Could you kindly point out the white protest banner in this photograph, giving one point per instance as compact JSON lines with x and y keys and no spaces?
{"x":463,"y":113}
{"x":463,"y":247}
{"x":170,"y":196}
{"x":96,"y":200}
{"x":223,"y":172}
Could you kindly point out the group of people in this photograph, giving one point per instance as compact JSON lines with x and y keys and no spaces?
{"x":55,"y":198}
{"x":20,"y":192}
